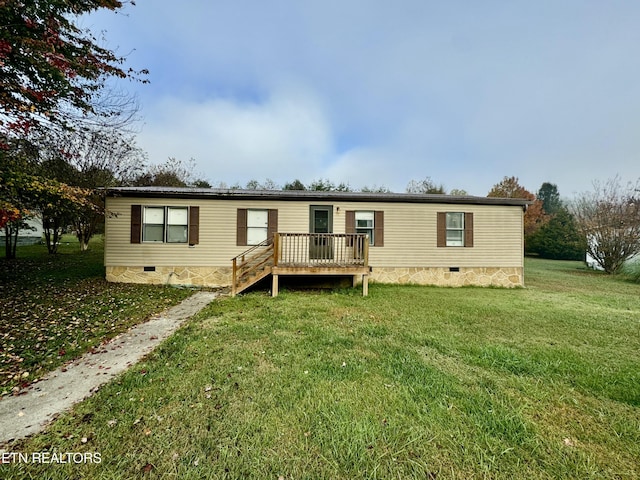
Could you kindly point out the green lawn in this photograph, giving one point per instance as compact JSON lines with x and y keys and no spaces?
{"x":53,"y":308}
{"x":410,"y":382}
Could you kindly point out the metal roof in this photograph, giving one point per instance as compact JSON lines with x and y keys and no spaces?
{"x":298,"y":195}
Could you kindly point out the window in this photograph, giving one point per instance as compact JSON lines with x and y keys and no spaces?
{"x":257,"y":226}
{"x":177,"y":225}
{"x":455,"y":229}
{"x":153,"y":224}
{"x":368,"y":222}
{"x":165,"y":224}
{"x":365,"y":224}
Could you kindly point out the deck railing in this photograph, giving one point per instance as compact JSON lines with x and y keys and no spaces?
{"x":321,"y":249}
{"x":299,"y":251}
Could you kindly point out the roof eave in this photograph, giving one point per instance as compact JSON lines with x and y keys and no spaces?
{"x":299,"y":195}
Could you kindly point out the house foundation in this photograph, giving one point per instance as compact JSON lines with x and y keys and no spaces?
{"x":196,"y":276}
{"x":450,"y":277}
{"x":222,"y":276}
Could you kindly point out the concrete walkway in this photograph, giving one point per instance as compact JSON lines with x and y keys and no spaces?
{"x":30,"y":412}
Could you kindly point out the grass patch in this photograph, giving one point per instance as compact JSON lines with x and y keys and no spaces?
{"x":410,"y":382}
{"x":53,"y":308}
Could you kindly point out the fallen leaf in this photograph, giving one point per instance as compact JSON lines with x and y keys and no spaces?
{"x":147,"y":468}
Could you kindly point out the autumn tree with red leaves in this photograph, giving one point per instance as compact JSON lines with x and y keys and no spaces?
{"x":50,"y":66}
{"x":52,"y":73}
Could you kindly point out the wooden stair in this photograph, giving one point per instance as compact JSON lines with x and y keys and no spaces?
{"x":252,"y":266}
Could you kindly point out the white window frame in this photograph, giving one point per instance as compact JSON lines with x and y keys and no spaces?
{"x":366,"y":216}
{"x":177,"y":223}
{"x":257,"y":226}
{"x":148,"y":212}
{"x":454,"y":229}
{"x":168,"y":221}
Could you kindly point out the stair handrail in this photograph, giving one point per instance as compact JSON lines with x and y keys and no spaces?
{"x":239,"y":261}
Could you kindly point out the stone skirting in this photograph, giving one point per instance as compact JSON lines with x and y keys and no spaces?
{"x":221,"y":276}
{"x":198,"y":276}
{"x":477,"y":276}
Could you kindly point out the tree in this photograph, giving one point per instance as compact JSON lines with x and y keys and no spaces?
{"x":23,"y":194}
{"x":509,"y":187}
{"x":91,"y":157}
{"x":426,"y":186}
{"x":267,"y":185}
{"x":52,"y":76}
{"x":555,"y":235}
{"x":375,"y":189}
{"x":50,"y":66}
{"x":172,"y":173}
{"x":550,"y":198}
{"x":201,"y":184}
{"x":459,"y":192}
{"x":11,"y":221}
{"x":609,"y":218}
{"x":558,"y":239}
{"x":295,"y":185}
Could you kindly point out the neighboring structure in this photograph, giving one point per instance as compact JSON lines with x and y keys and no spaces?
{"x":27,"y":236}
{"x":235,"y":237}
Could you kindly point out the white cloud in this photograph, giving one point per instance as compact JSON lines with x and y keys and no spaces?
{"x":283,"y":136}
{"x":462,"y":92}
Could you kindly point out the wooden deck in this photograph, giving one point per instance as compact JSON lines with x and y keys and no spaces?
{"x":303,"y":254}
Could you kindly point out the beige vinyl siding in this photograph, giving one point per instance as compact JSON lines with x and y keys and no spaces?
{"x":217,"y":232}
{"x":410,"y":236}
{"x":410,"y":231}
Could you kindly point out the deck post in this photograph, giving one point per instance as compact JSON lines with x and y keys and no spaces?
{"x":234,"y":279}
{"x":276,"y":248}
{"x":274,"y":285}
{"x":366,"y":251}
{"x":365,"y":285}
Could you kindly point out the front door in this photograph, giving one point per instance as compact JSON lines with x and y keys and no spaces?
{"x":321,"y":222}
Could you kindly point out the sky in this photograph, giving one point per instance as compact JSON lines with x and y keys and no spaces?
{"x":379,"y":93}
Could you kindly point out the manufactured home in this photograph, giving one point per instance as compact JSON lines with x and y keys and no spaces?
{"x":214,"y":237}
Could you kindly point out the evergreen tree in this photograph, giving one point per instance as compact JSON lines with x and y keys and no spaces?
{"x":550,"y":198}
{"x":558,"y":239}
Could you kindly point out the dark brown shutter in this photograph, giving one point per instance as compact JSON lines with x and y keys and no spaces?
{"x":350,"y":225}
{"x":136,"y":223}
{"x":272,"y":225}
{"x":241,"y":231}
{"x":468,"y":229}
{"x":194,"y":225}
{"x":378,"y":226}
{"x":350,"y":221}
{"x":442,"y":229}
